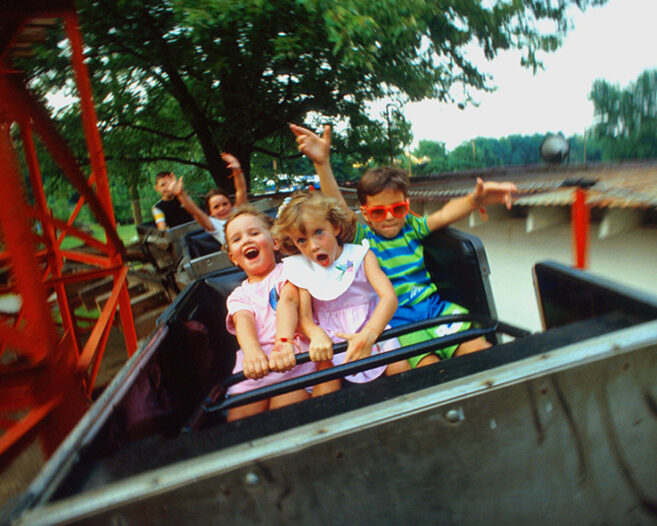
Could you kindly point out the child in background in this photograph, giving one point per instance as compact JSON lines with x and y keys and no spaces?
{"x":217,"y":202}
{"x":168,"y":212}
{"x":395,"y":237}
{"x":351,"y":297}
{"x":262,"y":313}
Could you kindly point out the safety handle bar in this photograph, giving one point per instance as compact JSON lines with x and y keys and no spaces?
{"x":488,"y":326}
{"x":385,"y":335}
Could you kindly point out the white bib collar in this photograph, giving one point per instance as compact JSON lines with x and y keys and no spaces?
{"x":326,"y":283}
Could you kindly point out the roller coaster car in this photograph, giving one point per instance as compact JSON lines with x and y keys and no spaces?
{"x":164,"y":248}
{"x":164,"y":251}
{"x":201,"y":255}
{"x":550,"y":428}
{"x":181,"y":254}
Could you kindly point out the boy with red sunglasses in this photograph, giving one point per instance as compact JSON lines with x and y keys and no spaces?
{"x":395,"y":236}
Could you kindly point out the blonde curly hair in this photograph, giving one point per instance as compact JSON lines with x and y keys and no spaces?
{"x":291,"y":218}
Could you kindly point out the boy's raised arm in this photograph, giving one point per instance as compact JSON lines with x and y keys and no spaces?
{"x":488,"y":193}
{"x":177,"y":188}
{"x":238,"y":177}
{"x":318,"y":150}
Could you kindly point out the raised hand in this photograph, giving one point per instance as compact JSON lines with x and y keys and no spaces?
{"x":231,"y":161}
{"x":492,"y":193}
{"x":316,"y":148}
{"x":175,"y":186}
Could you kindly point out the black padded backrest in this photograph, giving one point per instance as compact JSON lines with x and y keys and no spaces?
{"x":458,"y":266}
{"x":567,"y":295}
{"x":225,"y":281}
{"x":200,"y":243}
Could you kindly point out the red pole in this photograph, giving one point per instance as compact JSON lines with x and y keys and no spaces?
{"x":97,"y":158}
{"x":89,"y":121}
{"x":21,"y":242}
{"x":580,"y":225}
{"x":50,"y":236}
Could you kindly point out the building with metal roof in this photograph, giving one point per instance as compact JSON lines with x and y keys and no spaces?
{"x":620,"y":195}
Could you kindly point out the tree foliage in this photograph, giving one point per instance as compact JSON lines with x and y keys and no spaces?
{"x":433,"y":155}
{"x":626,"y":119}
{"x":486,"y":152}
{"x":179,"y":81}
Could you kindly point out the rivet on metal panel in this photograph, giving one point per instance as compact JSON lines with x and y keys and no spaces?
{"x":455,"y":415}
{"x":252,"y":479}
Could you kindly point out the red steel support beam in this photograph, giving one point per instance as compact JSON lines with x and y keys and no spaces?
{"x":47,"y":389}
{"x":55,"y":263}
{"x":20,"y":240}
{"x":581,"y":228}
{"x":89,"y":121}
{"x":24,"y":103}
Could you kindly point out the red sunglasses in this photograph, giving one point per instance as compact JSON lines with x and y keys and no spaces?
{"x":379,"y":213}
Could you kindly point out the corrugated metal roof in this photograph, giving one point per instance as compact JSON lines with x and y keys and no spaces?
{"x":618,"y":185}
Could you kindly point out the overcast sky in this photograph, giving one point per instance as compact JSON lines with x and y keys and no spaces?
{"x":615,"y":42}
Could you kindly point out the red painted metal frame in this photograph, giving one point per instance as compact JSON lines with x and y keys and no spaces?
{"x":47,"y":377}
{"x":581,"y":228}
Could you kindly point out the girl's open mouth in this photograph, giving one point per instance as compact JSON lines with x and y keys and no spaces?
{"x":251,"y":253}
{"x":323,"y":259}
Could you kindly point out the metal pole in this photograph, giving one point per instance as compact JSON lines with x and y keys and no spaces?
{"x":580,"y":223}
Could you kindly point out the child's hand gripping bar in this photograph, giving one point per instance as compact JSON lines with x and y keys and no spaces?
{"x":488,"y":326}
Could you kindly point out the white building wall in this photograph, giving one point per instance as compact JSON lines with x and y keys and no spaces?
{"x":629,"y":258}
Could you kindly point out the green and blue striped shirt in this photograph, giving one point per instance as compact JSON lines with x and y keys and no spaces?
{"x":402,"y":259}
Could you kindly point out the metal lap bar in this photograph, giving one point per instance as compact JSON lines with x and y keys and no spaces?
{"x":512,"y":330}
{"x":370,"y":362}
{"x":386,"y":335}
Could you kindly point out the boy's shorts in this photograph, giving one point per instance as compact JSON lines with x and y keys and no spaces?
{"x":431,"y":333}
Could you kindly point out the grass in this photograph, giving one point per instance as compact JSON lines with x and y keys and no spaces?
{"x":127,"y":233}
{"x":80,"y":312}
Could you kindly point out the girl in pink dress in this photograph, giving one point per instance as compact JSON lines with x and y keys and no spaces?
{"x":343,"y":293}
{"x":262,"y":313}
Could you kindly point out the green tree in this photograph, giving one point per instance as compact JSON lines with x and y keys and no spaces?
{"x":584,"y":149}
{"x":478,"y":153}
{"x":433,"y":156}
{"x":179,"y":81}
{"x":626,"y":119}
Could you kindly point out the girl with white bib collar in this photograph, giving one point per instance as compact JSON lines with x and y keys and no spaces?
{"x":343,"y":293}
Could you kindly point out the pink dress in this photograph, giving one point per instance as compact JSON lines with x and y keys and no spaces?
{"x":343,"y":299}
{"x":261,"y":299}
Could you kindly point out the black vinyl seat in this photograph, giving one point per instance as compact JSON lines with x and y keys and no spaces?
{"x":199,"y":243}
